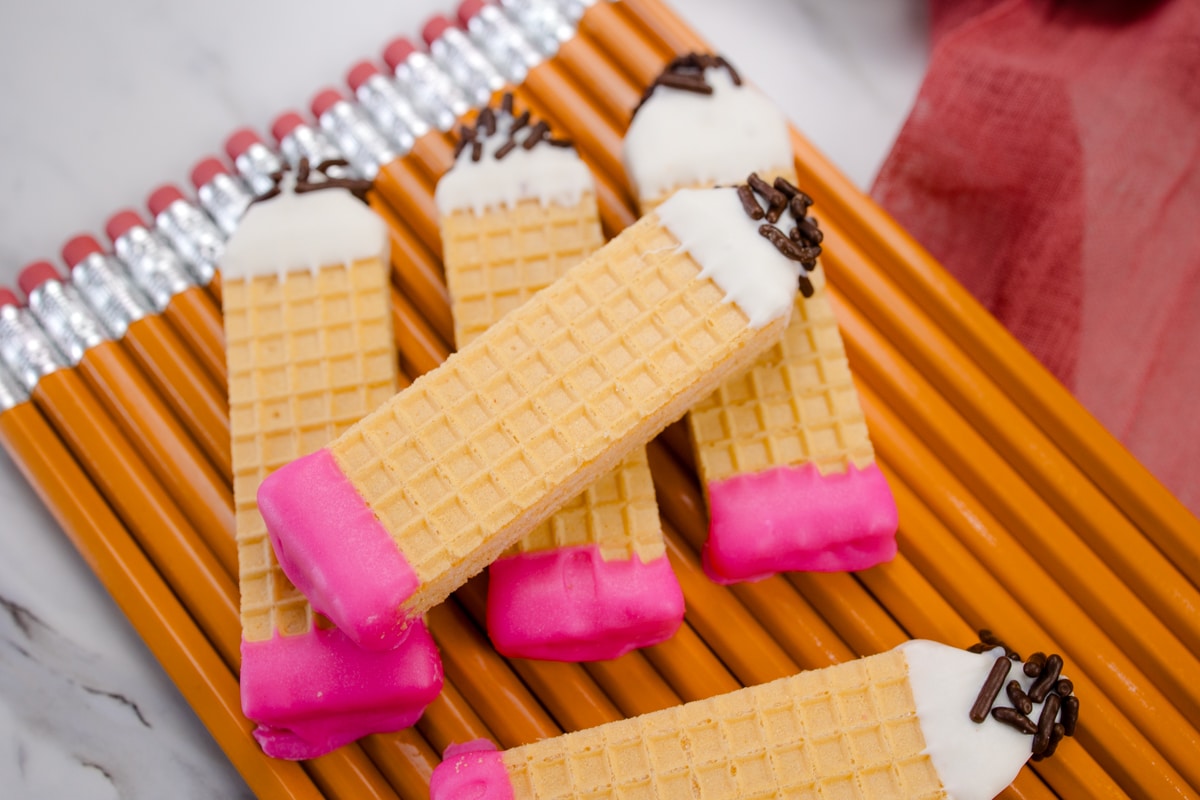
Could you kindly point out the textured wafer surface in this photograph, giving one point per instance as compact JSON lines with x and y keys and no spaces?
{"x":495,"y":261}
{"x":475,"y":453}
{"x":308,"y":356}
{"x":796,"y":405}
{"x":848,"y":731}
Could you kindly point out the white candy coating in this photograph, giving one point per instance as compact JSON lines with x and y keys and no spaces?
{"x":680,"y":138}
{"x":974,"y":760}
{"x":294,"y":232}
{"x":545,"y":173}
{"x":714,"y":228}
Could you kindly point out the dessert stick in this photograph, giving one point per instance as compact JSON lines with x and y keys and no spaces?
{"x":518,"y":210}
{"x":921,"y":607}
{"x":783,"y":450}
{"x":161,"y":275}
{"x":310,"y":351}
{"x":895,"y":724}
{"x":157,"y":347}
{"x":1111,"y":602}
{"x":145,"y":598}
{"x":1052,"y":412}
{"x":974,"y":586}
{"x":158,"y":436}
{"x":604,"y":378}
{"x":128,"y":484}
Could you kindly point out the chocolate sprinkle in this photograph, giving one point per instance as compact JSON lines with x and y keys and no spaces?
{"x":536,"y":134}
{"x":304,"y":184}
{"x":506,"y":103}
{"x":806,"y":287}
{"x":1070,"y":714}
{"x":990,"y":689}
{"x":1033,"y":665}
{"x":506,"y":148}
{"x":1014,"y":719}
{"x":1064,"y":687}
{"x":487,"y":119}
{"x":1041,"y":739}
{"x":520,"y":121}
{"x":686,"y":73}
{"x":476,"y":150}
{"x":749,"y":203}
{"x":488,"y":123}
{"x":776,"y":200}
{"x":1057,"y":734}
{"x":1047,"y":679}
{"x":465,"y":135}
{"x":786,"y":246}
{"x":1017,"y":696}
{"x":806,"y":230}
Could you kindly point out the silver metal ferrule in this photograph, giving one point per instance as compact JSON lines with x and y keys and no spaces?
{"x":226,"y":199}
{"x":433,"y":93}
{"x":257,"y":165}
{"x":391,"y":112}
{"x":66,"y":319}
{"x":12,"y":393}
{"x":574,"y":10}
{"x":108,"y":289}
{"x":308,"y":142}
{"x":156,"y":269}
{"x":24,"y":348}
{"x":541,"y":22}
{"x":364,"y":146}
{"x":502,"y":42}
{"x":195,"y":237}
{"x":467,"y":66}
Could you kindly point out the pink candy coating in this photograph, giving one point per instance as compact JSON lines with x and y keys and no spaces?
{"x":331,"y":546}
{"x":314,"y":692}
{"x":569,"y":604}
{"x":473,"y":770}
{"x":794,"y":518}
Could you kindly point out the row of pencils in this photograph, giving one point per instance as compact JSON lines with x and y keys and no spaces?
{"x":1019,"y":514}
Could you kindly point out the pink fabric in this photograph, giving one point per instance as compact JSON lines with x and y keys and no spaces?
{"x":1050,"y":162}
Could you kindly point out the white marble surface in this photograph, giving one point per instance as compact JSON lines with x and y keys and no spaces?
{"x":105,"y":101}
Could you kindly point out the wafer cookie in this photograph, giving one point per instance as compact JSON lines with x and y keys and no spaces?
{"x":920,"y":721}
{"x":429,"y":489}
{"x":518,"y":209}
{"x":309,"y":352}
{"x":783,"y":451}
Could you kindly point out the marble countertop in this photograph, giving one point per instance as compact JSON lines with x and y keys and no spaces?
{"x":106,"y":101}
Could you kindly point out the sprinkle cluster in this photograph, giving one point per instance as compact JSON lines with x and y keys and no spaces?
{"x":686,"y":72}
{"x":1049,"y":688}
{"x":803,"y":242}
{"x":491,"y":120}
{"x":331,"y":179}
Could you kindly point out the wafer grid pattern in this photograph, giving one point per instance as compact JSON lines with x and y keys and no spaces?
{"x":308,"y":356}
{"x":796,"y":405}
{"x":520,"y":419}
{"x":495,"y":262}
{"x":648,"y":204}
{"x":847,"y":732}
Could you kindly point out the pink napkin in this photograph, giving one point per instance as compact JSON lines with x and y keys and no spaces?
{"x":1052,"y":163}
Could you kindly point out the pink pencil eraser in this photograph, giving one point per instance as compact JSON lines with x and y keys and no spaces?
{"x":162,"y":197}
{"x":7,"y":298}
{"x":240,"y":141}
{"x":435,"y":27}
{"x":285,"y":123}
{"x":206,"y":170}
{"x":79,"y":248}
{"x":468,"y":10}
{"x":120,"y":223}
{"x":359,"y":74}
{"x":397,"y":51}
{"x":35,"y":274}
{"x":325,"y":100}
